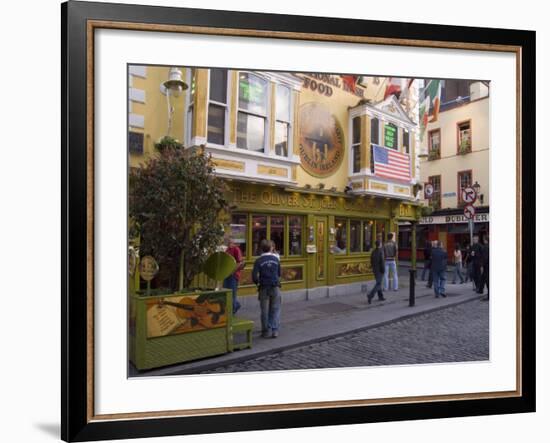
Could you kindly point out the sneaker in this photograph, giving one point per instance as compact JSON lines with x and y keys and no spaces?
{"x":381,"y":299}
{"x":369,"y":299}
{"x":443,"y":294}
{"x":275,"y":334}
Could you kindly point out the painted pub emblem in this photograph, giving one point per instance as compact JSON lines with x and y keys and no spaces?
{"x":321,"y":140}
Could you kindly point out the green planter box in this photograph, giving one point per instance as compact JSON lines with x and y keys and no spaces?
{"x":180,"y":327}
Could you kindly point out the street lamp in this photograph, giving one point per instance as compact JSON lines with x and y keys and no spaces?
{"x":476,"y":187}
{"x":172,"y":87}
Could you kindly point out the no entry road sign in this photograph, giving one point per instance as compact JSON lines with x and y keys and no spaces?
{"x":469,"y":195}
{"x":469,"y":212}
{"x":428,"y":190}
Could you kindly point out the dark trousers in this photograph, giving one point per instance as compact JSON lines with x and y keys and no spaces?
{"x":484,"y":280}
{"x":377,"y":288}
{"x":476,"y":276}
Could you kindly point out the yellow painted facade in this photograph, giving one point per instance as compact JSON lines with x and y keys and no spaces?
{"x":325,"y":215}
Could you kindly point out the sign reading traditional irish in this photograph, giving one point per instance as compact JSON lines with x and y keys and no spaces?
{"x":321,"y":140}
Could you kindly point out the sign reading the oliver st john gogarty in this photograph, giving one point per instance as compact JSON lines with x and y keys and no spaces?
{"x":179,"y":314}
{"x":321,"y":140}
{"x":390,"y":136}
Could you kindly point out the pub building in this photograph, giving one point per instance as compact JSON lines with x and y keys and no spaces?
{"x":303,"y":155}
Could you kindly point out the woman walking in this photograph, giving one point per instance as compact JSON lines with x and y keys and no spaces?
{"x":457,"y":259}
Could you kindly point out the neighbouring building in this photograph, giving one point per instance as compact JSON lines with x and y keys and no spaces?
{"x":456,"y":155}
{"x":321,"y":164}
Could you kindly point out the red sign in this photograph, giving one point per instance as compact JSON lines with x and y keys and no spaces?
{"x":469,"y":212}
{"x":469,"y":195}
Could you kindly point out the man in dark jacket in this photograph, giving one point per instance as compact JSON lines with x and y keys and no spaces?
{"x":439,"y":269}
{"x":378,"y":267}
{"x":485,"y":264}
{"x":476,"y":255}
{"x":267,"y":276}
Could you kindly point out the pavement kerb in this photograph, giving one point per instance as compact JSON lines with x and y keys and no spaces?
{"x":238,"y":359}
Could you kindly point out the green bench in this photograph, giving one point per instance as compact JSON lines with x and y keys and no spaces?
{"x":239,"y":326}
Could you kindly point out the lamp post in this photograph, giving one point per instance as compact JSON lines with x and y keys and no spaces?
{"x":172,"y":87}
{"x":477,"y":188}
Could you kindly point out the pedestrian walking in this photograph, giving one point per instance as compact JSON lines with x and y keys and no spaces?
{"x":476,"y":255}
{"x":266,"y":274}
{"x":427,"y":260}
{"x":439,"y":269}
{"x":485,"y":266}
{"x":232,"y":282}
{"x":390,"y":254}
{"x":378,"y":268}
{"x":457,"y":259}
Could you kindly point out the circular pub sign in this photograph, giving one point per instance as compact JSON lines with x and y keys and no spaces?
{"x":321,"y":140}
{"x":148,"y":268}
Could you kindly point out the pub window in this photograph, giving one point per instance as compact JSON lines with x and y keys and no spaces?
{"x":367,"y":236}
{"x":356,"y":145}
{"x":259,"y":232}
{"x":238,"y":231}
{"x":404,"y":240}
{"x":464,"y":137}
{"x":341,"y":236}
{"x":217,"y":106}
{"x":252,"y":114}
{"x":354,"y":236}
{"x":277,"y":233}
{"x":434,"y":144}
{"x":390,"y":136}
{"x":282,"y":122}
{"x":374,"y":131}
{"x":406,"y":142}
{"x":295,"y":235}
{"x":435,"y":180}
{"x":464,"y":179}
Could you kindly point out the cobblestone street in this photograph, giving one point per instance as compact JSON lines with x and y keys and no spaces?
{"x":455,"y":334}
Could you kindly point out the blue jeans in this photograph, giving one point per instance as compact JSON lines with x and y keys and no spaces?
{"x":458,"y":272}
{"x":232,"y":283}
{"x":439,"y":282}
{"x":390,"y":266}
{"x":270,"y":305}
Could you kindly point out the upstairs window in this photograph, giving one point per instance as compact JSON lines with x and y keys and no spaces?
{"x":356,"y":145}
{"x":217,"y":106}
{"x":252,"y":113}
{"x":434,"y":144}
{"x":464,"y":179}
{"x":374,"y":131}
{"x":435,"y":180}
{"x":464,"y":137}
{"x":282,"y":122}
{"x":406,"y":141}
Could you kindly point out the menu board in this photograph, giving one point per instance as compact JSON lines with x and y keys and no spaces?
{"x":390,"y":136}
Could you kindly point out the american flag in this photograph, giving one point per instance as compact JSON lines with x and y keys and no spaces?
{"x":389,"y":163}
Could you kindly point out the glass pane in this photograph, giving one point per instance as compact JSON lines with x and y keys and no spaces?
{"x":356,"y":151}
{"x":367,"y":236}
{"x":390,"y":136}
{"x":250,"y":132}
{"x":374,"y":130}
{"x":341,"y":237}
{"x":281,"y":139}
{"x":283,"y":103}
{"x":277,"y":233}
{"x":259,"y":232}
{"x":356,"y":130}
{"x":406,"y":141}
{"x":252,"y":93}
{"x":381,"y":231}
{"x":218,"y":85}
{"x":295,"y":235}
{"x":355,"y":236}
{"x":216,"y":124}
{"x":238,"y":231}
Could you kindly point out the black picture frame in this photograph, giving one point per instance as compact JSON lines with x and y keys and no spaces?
{"x":77,"y":262}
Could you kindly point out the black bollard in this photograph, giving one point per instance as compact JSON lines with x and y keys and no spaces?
{"x":412,"y":283}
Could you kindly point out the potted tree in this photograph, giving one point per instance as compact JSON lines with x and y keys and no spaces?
{"x":176,"y":204}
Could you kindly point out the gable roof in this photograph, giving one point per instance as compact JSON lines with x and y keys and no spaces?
{"x":393,"y":108}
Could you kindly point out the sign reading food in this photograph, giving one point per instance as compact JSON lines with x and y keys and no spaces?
{"x":321,"y":140}
{"x":180,"y":314}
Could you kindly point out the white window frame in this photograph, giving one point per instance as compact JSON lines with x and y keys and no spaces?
{"x":225,"y":105}
{"x":353,"y":145}
{"x":290,"y":116}
{"x":267,"y":117}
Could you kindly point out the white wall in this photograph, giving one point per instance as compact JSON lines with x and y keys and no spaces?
{"x":30,"y":253}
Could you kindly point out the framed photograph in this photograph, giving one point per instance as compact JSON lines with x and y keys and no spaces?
{"x":276,"y":221}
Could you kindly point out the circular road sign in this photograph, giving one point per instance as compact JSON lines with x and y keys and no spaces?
{"x":469,"y":195}
{"x":428,"y":190}
{"x":469,"y":212}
